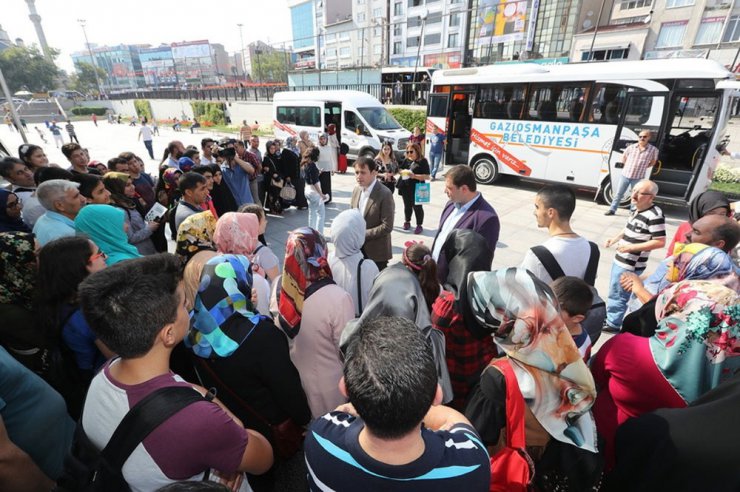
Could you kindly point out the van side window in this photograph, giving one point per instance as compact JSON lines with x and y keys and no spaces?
{"x":299,"y":115}
{"x":350,"y":121}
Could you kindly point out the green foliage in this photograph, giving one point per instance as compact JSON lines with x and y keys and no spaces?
{"x":209,"y":112}
{"x":270,"y":67}
{"x":143,"y":108}
{"x":83,"y":80}
{"x":732,"y":190}
{"x":409,"y":118}
{"x":26,"y":68}
{"x":85,"y":110}
{"x":726,"y":174}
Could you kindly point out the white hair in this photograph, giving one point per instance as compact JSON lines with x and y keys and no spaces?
{"x":54,"y":190}
{"x":651,"y":186}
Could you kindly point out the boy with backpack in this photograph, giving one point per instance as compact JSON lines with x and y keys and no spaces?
{"x":575,"y":298}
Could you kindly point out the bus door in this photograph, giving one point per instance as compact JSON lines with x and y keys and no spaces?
{"x":460,"y":124}
{"x":688,"y":132}
{"x":642,"y":111}
{"x":437,"y":121}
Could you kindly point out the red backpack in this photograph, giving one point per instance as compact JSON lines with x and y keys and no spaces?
{"x":512,"y":469}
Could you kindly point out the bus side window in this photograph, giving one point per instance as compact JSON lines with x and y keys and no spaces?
{"x":608,"y":103}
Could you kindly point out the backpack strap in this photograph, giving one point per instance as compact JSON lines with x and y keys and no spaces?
{"x":548,"y":261}
{"x":258,"y":248}
{"x":359,"y":284}
{"x":142,"y":419}
{"x":593,"y":263}
{"x":515,"y":437}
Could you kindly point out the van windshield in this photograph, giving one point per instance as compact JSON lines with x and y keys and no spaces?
{"x":379,"y":118}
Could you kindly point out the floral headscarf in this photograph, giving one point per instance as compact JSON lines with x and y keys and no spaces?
{"x":17,"y":268}
{"x":696,"y":344}
{"x":701,"y":262}
{"x":306,"y":270}
{"x":170,"y":177}
{"x":237,"y":233}
{"x":196,"y":234}
{"x":522,"y":315}
{"x":225,"y":293}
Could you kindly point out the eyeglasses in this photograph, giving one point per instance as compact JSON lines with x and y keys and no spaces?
{"x":410,"y":151}
{"x":644,"y":194}
{"x":643,"y":137}
{"x":15,"y":204}
{"x":98,"y":255}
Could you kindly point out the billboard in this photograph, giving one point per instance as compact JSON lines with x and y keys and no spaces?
{"x":500,"y":21}
{"x":443,"y":60}
{"x":191,"y":50}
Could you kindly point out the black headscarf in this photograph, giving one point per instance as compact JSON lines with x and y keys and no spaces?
{"x":466,"y":251}
{"x":223,"y":199}
{"x":7,"y":223}
{"x":704,"y":202}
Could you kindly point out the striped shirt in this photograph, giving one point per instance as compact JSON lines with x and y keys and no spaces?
{"x":642,"y":226}
{"x":637,"y":160}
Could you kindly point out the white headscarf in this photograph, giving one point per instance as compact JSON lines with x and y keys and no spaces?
{"x":348,"y":233}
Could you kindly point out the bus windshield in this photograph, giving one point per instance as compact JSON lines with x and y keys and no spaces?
{"x":379,"y":118}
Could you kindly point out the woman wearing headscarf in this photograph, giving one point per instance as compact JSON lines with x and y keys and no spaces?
{"x":123,"y":196}
{"x":223,"y":199}
{"x":168,"y":194}
{"x":407,"y":290}
{"x":239,"y":351}
{"x":313,"y":311}
{"x":522,"y":315}
{"x":304,"y":142}
{"x":290,"y":167}
{"x":468,"y":349}
{"x":236,"y":234}
{"x":10,"y":213}
{"x":325,"y":163}
{"x":691,"y":262}
{"x":274,"y":181}
{"x":707,"y":203}
{"x":351,"y":271}
{"x":333,"y":142}
{"x":105,"y":226}
{"x":692,"y":350}
{"x":195,"y":234}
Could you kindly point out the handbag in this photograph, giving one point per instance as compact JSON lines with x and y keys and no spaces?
{"x":287,"y":193}
{"x":287,"y":436}
{"x":512,"y":469}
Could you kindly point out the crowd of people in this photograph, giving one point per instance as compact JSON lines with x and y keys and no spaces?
{"x":328,"y":368}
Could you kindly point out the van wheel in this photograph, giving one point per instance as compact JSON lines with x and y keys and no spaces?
{"x":607,"y":195}
{"x":485,"y":170}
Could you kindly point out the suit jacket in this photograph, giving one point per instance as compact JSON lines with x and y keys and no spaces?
{"x":481,"y":218}
{"x":378,"y":214}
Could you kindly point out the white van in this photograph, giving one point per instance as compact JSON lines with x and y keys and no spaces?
{"x":362,"y":122}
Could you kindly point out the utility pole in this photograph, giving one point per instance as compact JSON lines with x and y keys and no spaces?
{"x":423,"y":18}
{"x":9,"y":98}
{"x":92,"y":58}
{"x":244,"y":63}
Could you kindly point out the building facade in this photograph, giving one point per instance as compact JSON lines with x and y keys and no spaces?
{"x":121,"y":64}
{"x":158,"y":67}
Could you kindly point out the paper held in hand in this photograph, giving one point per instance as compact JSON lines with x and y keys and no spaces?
{"x":156,"y":212}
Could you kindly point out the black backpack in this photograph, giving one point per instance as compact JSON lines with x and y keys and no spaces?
{"x":596,"y":315}
{"x":87,"y":469}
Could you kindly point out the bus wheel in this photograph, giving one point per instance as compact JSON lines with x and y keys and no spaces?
{"x":607,"y":195}
{"x":485,"y":170}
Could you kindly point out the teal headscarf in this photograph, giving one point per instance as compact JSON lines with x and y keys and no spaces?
{"x":224,"y":295}
{"x":697,"y":343}
{"x":103,"y":224}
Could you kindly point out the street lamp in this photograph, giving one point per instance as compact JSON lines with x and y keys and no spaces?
{"x":423,"y":16}
{"x":257,"y":52}
{"x":244,"y":64}
{"x":92,"y":58}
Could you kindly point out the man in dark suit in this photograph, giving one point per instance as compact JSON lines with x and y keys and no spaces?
{"x":375,"y":202}
{"x":467,"y":209}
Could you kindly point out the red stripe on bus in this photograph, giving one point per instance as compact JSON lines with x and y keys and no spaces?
{"x":503,"y":156}
{"x":284,"y":128}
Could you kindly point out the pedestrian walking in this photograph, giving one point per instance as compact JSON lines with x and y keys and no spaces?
{"x":145,"y":134}
{"x":56,"y":132}
{"x":71,"y":132}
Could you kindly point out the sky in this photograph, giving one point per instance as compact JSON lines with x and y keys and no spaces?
{"x":147,"y":22}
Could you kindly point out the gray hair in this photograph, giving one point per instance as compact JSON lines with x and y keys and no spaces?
{"x":54,"y":190}
{"x":652,"y":186}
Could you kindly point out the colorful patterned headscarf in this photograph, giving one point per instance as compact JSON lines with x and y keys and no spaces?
{"x":224,"y":294}
{"x":17,"y":268}
{"x":701,"y":262}
{"x":171,"y":176}
{"x":696,"y":344}
{"x":306,"y":270}
{"x":236,"y":233}
{"x":522,"y":315}
{"x":196,"y":234}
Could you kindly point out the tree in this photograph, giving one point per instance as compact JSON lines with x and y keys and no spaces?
{"x":269,"y":66}
{"x":84,"y":79}
{"x":26,"y":68}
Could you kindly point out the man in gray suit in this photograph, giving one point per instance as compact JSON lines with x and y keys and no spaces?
{"x":375,"y":202}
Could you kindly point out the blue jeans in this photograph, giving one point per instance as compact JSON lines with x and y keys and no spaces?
{"x":624,"y":183}
{"x":316,"y":210}
{"x":436,"y":159}
{"x":616,"y":304}
{"x":149,"y":149}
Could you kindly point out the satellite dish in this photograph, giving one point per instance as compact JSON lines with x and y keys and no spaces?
{"x":587,"y":24}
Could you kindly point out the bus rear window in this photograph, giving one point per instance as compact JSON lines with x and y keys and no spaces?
{"x":299,"y":115}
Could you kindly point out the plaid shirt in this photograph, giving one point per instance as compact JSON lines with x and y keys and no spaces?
{"x":636,"y":161}
{"x":466,"y":355}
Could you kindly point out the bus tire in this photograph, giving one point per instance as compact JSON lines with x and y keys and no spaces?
{"x":485,"y":170}
{"x":607,"y":195}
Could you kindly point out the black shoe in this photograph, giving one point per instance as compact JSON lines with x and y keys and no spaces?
{"x":609,"y":212}
{"x":610,"y":329}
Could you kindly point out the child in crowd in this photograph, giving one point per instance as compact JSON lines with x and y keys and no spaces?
{"x":575,"y":298}
{"x":263,"y":255}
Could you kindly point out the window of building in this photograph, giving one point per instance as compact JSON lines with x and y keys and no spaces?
{"x":732,"y":33}
{"x":397,"y":30}
{"x":398,"y":8}
{"x":454,"y":20}
{"x":671,"y":34}
{"x":345,"y":52}
{"x":377,"y":49}
{"x":432,"y":39}
{"x":412,"y":42}
{"x":344,"y":36}
{"x":360,"y":2}
{"x":378,"y":13}
{"x":453,"y":40}
{"x":377,"y":31}
{"x":415,"y":3}
{"x":503,"y":102}
{"x":669,"y":4}
{"x":299,"y":115}
{"x":397,"y":48}
{"x":434,"y":18}
{"x":558,"y":102}
{"x":360,"y":16}
{"x":607,"y":54}
{"x":331,"y":52}
{"x":634,"y":4}
{"x":710,"y":30}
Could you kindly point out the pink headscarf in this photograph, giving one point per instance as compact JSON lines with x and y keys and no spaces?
{"x":236,"y":233}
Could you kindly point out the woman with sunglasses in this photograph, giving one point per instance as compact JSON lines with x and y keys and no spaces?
{"x":10,"y":213}
{"x":414,"y":169}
